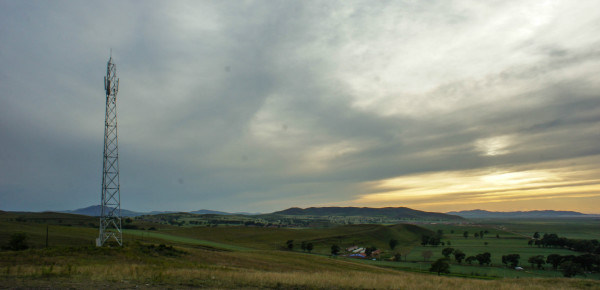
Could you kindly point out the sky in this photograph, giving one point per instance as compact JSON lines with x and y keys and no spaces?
{"x":258,"y":106}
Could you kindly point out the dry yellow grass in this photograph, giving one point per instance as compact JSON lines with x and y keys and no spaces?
{"x":229,"y":277}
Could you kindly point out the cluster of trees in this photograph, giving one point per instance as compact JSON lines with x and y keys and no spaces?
{"x":569,"y":265}
{"x":482,"y":259}
{"x":553,"y":240}
{"x":304,"y":246}
{"x":511,"y":259}
{"x":479,"y":234}
{"x":459,"y":256}
{"x":433,"y":241}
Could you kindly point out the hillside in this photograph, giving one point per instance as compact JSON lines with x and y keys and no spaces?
{"x":94,"y":210}
{"x":478,"y":213}
{"x":389,"y":212}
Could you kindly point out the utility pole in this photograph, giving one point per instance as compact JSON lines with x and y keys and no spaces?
{"x":110,"y":216}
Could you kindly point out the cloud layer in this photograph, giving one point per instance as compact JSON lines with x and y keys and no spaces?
{"x":259,"y":106}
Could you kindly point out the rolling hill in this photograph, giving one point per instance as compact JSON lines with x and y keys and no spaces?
{"x":390,"y":212}
{"x":94,"y":210}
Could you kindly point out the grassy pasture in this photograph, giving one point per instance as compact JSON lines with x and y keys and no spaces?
{"x":573,"y":228}
{"x":322,"y":239}
{"x":63,"y":229}
{"x":513,"y":238}
{"x":252,"y":257}
{"x":166,"y":236}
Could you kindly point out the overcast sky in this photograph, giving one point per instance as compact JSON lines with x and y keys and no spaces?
{"x":259,"y":106}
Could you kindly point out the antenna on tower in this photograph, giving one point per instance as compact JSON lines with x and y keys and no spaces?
{"x":110,"y":211}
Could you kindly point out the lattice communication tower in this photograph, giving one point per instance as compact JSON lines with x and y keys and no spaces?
{"x":110,"y":217}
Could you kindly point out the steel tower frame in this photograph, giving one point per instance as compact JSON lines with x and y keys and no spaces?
{"x":110,"y":217}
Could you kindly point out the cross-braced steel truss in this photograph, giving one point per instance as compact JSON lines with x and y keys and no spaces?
{"x":110,"y":216}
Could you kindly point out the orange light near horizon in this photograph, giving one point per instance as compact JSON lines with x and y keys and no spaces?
{"x":480,"y":187}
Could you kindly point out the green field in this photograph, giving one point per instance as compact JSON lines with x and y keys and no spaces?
{"x":257,"y":257}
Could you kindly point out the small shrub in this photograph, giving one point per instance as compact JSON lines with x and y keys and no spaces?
{"x":161,"y":250}
{"x":440,"y":266}
{"x":18,"y":242}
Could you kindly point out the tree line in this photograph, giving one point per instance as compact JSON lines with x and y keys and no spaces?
{"x":553,"y":240}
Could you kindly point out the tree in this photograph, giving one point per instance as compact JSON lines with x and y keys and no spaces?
{"x":470,"y":259}
{"x":466,"y":234}
{"x":18,"y":241}
{"x":303,"y":246}
{"x":426,"y":255}
{"x":440,"y":233}
{"x":434,"y":241}
{"x":290,"y":244}
{"x":447,"y":251}
{"x":448,"y":243}
{"x":555,"y":260}
{"x":485,"y":243}
{"x":424,"y":240}
{"x":393,"y":243}
{"x":587,"y":261}
{"x":536,"y":235}
{"x":427,"y":240}
{"x":405,"y":252}
{"x":476,"y":235}
{"x":370,"y":250}
{"x":570,"y":269}
{"x":512,"y":259}
{"x":440,"y":266}
{"x":537,"y":260}
{"x":459,"y":255}
{"x":497,"y":236}
{"x":335,"y":249}
{"x":309,"y":247}
{"x":485,"y":258}
{"x":397,"y":257}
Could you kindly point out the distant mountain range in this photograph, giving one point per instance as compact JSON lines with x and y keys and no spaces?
{"x":390,"y":212}
{"x":478,"y":213}
{"x":94,"y":210}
